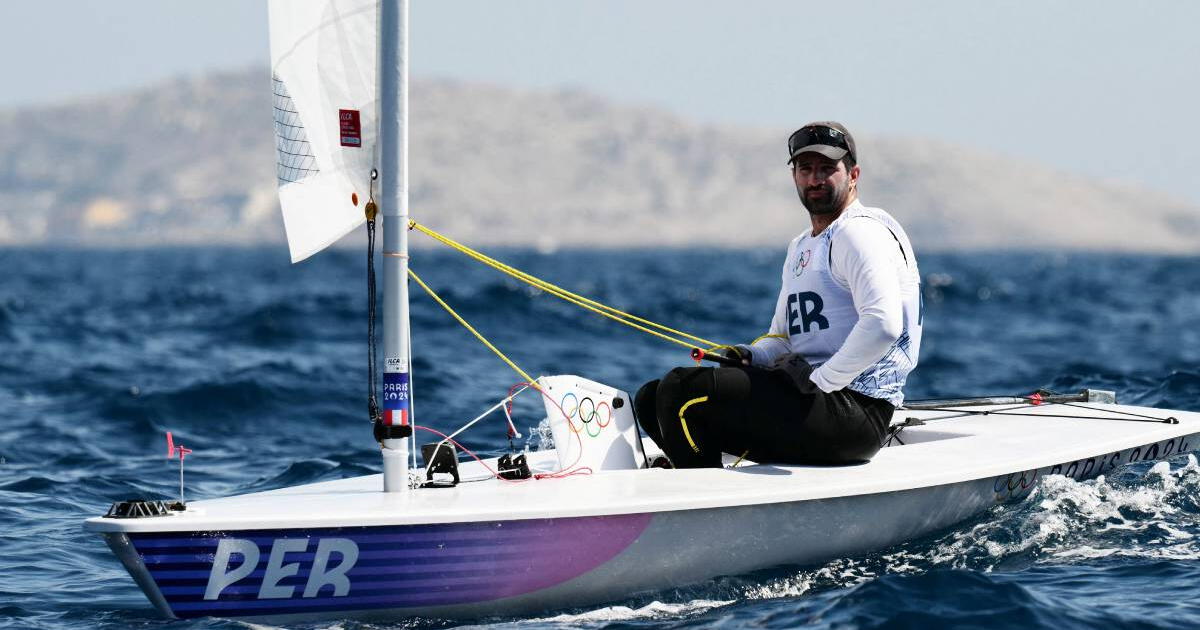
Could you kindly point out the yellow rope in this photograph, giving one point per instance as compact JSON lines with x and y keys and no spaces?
{"x":559,"y":292}
{"x":715,"y":348}
{"x":528,"y":379}
{"x":683,"y":423}
{"x":760,"y":337}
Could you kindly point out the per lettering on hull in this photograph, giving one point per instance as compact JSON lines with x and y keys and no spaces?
{"x":236,"y":559}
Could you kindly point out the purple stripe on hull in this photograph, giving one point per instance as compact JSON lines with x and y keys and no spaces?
{"x":395,"y":553}
{"x":432,"y":581}
{"x":358,"y":568}
{"x":303,"y":606}
{"x":361,"y":569}
{"x":209,"y":540}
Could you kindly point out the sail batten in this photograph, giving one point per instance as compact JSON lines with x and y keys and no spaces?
{"x":324,"y":62}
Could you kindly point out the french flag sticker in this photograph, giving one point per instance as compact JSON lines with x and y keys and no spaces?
{"x":395,"y":417}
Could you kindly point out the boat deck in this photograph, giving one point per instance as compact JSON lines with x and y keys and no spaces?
{"x":942,"y":451}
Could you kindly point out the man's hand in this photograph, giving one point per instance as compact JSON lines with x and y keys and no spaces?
{"x":740,"y":353}
{"x":798,"y":370}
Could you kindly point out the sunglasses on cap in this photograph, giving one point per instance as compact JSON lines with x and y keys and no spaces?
{"x":808,"y":136}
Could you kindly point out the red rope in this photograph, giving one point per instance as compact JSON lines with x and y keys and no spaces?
{"x":569,"y":470}
{"x":558,"y":474}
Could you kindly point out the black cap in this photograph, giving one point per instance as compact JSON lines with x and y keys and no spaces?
{"x":826,"y":137}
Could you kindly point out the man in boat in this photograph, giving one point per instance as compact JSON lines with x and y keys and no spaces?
{"x":821,"y":386}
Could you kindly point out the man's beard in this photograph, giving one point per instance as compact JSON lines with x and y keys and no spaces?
{"x":832,"y":201}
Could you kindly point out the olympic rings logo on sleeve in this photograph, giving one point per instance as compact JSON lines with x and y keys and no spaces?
{"x":593,"y":416}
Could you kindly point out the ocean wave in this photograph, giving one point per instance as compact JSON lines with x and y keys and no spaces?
{"x":187,"y":295}
{"x":1180,"y":390}
{"x":248,"y":397}
{"x":311,"y":471}
{"x":206,"y":400}
{"x":1076,"y":375}
{"x":33,"y":485}
{"x":270,"y":325}
{"x":7,"y":322}
{"x":950,"y":598}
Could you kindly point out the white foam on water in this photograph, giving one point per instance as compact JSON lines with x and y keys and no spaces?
{"x":653,"y":610}
{"x":1086,"y":552}
{"x":790,"y":586}
{"x":842,"y":573}
{"x":1070,"y":519}
{"x":541,"y":437}
{"x":1099,"y":519}
{"x":1062,"y":520}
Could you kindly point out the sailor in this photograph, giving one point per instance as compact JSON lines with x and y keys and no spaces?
{"x":821,"y":386}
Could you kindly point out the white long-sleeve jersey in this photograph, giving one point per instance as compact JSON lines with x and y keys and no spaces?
{"x":851,"y":305}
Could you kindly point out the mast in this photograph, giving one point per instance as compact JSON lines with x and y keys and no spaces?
{"x":393,"y":172}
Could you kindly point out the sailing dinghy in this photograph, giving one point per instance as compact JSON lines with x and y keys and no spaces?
{"x":585,"y":523}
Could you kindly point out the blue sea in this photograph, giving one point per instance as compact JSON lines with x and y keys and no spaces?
{"x":259,"y":366}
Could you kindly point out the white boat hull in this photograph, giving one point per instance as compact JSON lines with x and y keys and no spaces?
{"x":343,"y":549}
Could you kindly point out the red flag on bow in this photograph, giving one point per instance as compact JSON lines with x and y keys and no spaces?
{"x":172,"y":449}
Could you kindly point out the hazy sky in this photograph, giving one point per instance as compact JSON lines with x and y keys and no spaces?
{"x":1102,"y":88}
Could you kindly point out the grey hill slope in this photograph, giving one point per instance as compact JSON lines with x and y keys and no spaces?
{"x":192,"y":161}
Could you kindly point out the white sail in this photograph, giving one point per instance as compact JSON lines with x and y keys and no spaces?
{"x":323,"y":66}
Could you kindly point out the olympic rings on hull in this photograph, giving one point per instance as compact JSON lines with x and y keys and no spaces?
{"x":593,"y":416}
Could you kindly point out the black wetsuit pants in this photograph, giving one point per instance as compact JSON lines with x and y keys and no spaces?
{"x":696,"y":414}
